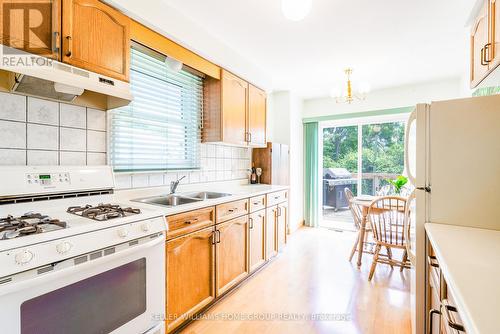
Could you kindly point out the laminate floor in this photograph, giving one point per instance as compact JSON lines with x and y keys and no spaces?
{"x":312,"y":288}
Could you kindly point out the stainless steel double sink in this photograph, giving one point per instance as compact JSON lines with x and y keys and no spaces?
{"x":181,"y":198}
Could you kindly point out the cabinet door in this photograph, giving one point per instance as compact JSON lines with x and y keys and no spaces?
{"x":31,"y":26}
{"x":479,"y":39}
{"x":495,"y":32}
{"x":257,"y":232}
{"x":234,"y":106}
{"x":231,"y":253}
{"x":190,"y":275}
{"x":271,"y":243}
{"x":256,"y":116}
{"x":96,"y":37}
{"x":281,"y":225}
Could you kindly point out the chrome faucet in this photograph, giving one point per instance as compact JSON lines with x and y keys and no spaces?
{"x":175,"y":184}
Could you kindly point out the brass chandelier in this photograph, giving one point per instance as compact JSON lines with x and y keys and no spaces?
{"x":349,"y":95}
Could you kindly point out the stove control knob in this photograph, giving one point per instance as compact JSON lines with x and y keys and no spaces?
{"x":64,"y":247}
{"x":24,"y":257}
{"x":145,"y":227}
{"x":123,"y":232}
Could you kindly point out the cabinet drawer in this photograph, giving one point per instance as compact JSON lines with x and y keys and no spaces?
{"x":277,"y":197}
{"x":257,"y":203}
{"x":187,"y":222}
{"x":231,"y":210}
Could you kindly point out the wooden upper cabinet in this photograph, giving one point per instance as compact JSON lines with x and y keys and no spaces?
{"x":256,"y":116}
{"x":479,"y":48}
{"x":231,"y":253}
{"x":31,"y":26}
{"x":234,"y":105}
{"x":190,"y":275}
{"x":96,"y":37}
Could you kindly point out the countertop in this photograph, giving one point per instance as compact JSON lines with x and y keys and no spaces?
{"x":470,"y":261}
{"x":237,"y":191}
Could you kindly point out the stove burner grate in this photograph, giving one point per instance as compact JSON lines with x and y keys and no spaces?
{"x":30,"y":223}
{"x":102,"y":212}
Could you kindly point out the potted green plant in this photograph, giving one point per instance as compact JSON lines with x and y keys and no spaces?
{"x":398,"y":183}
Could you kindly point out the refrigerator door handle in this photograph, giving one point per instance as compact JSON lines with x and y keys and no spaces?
{"x":412,"y":118}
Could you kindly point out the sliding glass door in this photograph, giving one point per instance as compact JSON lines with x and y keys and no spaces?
{"x":361,"y":155}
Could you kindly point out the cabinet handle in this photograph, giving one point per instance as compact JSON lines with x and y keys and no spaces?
{"x":433,"y":261}
{"x":487,"y":59}
{"x":279,"y":211}
{"x":249,"y":137}
{"x":232,"y":210}
{"x":447,"y":315}
{"x":431,"y":313}
{"x":191,"y":221}
{"x":250,"y":222}
{"x":218,"y":236}
{"x":56,"y":42}
{"x":69,"y":53}
{"x":214,"y":234}
{"x":482,"y":57}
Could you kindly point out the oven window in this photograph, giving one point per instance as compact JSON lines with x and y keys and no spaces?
{"x":98,"y":304}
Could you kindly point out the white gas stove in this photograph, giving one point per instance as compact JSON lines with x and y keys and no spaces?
{"x":66,"y":244}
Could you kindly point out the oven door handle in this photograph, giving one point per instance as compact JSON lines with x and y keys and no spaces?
{"x":29,"y":283}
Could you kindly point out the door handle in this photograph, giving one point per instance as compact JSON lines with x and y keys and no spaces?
{"x":431,"y":313}
{"x":487,"y":59}
{"x":69,"y":53}
{"x":483,"y":62}
{"x":56,"y":42}
{"x":447,"y":315}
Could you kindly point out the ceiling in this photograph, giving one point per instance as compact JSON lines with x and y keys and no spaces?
{"x":387,"y":42}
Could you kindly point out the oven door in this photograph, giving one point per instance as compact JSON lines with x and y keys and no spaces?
{"x":120,"y":291}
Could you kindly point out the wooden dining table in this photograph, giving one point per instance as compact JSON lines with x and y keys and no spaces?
{"x":364,"y":205}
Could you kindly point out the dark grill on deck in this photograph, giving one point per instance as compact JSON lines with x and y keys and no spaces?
{"x":334,"y":182}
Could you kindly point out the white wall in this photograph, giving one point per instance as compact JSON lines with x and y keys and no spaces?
{"x":286,"y":128}
{"x":402,"y":96}
{"x":161,"y":17}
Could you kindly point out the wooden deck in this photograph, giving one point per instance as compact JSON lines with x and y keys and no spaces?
{"x":337,"y":220}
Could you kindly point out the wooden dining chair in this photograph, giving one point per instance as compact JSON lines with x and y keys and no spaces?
{"x":387,"y":219}
{"x":357,"y":216}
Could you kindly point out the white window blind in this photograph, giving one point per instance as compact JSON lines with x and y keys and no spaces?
{"x":161,"y":128}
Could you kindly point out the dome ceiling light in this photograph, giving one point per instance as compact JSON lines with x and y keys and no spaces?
{"x":295,"y":10}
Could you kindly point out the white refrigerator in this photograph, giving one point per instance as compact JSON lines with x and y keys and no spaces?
{"x":453,"y":161}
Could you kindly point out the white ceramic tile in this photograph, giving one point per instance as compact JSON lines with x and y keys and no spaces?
{"x":210,"y":151}
{"x":96,"y":119}
{"x":194,"y":177}
{"x":219,"y":151}
{"x":73,"y":116}
{"x":228,"y":151}
{"x":96,"y":141}
{"x":203,"y":150}
{"x":185,"y":180}
{"x":42,"y":158}
{"x":140,"y":180}
{"x":212,"y":163}
{"x":73,"y":139}
{"x":209,"y":176}
{"x":234,"y":164}
{"x":227,"y":175}
{"x":12,"y":157}
{"x":235,"y":153}
{"x":43,"y":137}
{"x":12,"y":107}
{"x":43,"y":111}
{"x":155,"y":179}
{"x":220,"y":175}
{"x":96,"y":159}
{"x":169,"y":177}
{"x":12,"y":134}
{"x":220,"y":164}
{"x":228,"y":163}
{"x":72,"y":158}
{"x":123,"y":181}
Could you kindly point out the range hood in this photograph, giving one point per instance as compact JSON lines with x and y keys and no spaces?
{"x":51,"y":79}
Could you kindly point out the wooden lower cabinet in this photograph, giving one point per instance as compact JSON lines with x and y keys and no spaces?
{"x":281,"y":225}
{"x":257,"y":239}
{"x":190,"y":275}
{"x":231,"y":253}
{"x":271,"y":244}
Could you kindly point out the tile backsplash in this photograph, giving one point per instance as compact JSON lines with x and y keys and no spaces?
{"x":34,"y":131}
{"x":218,"y":163}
